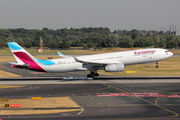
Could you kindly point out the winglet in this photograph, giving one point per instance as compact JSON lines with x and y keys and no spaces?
{"x":77,"y":60}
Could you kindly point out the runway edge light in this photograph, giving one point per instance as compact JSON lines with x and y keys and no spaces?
{"x":130,"y":71}
{"x":36,"y":98}
{"x":1,"y":99}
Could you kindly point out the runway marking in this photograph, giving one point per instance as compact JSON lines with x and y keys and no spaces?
{"x":81,"y":111}
{"x":139,"y":95}
{"x":77,"y":104}
{"x":142,"y":105}
{"x":90,"y":90}
{"x":155,"y":104}
{"x":176,"y":114}
{"x":128,"y":105}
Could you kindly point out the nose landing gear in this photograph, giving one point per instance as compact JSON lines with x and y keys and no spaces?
{"x":157,"y":66}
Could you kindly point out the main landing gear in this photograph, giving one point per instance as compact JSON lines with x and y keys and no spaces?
{"x":93,"y":74}
{"x":157,"y":66}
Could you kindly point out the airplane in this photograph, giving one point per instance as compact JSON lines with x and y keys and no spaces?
{"x":110,"y":62}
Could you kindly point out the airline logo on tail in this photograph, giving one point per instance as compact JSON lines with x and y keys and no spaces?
{"x":23,"y":58}
{"x":14,"y":46}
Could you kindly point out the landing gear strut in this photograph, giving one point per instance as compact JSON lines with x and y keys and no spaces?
{"x":92,"y":74}
{"x":157,"y":66}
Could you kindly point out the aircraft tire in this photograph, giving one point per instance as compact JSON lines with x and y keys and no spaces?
{"x":88,"y":75}
{"x":96,"y":74}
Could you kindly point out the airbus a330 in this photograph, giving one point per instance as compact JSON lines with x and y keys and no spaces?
{"x":110,"y":62}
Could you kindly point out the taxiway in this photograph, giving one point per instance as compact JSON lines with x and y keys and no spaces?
{"x":151,"y":98}
{"x":97,"y":103}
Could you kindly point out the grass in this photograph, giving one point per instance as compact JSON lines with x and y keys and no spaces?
{"x":51,"y":102}
{"x":7,"y":51}
{"x":4,"y":74}
{"x":51,"y":52}
{"x":29,"y":112}
{"x":8,"y":86}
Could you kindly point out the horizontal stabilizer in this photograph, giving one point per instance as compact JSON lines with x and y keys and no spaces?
{"x":14,"y":64}
{"x":62,"y":55}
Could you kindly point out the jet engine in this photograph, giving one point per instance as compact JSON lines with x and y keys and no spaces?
{"x":117,"y":67}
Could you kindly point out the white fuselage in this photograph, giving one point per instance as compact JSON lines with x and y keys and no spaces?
{"x":126,"y":57}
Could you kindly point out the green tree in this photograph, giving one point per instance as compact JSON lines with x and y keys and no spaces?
{"x":53,"y":44}
{"x":20,"y":41}
{"x":162,"y":43}
{"x":3,"y":44}
{"x":124,"y":31}
{"x":65,"y":45}
{"x":139,"y":44}
{"x":171,"y":44}
{"x":135,"y":35}
{"x":149,"y":43}
{"x":28,"y":44}
{"x":89,"y":44}
{"x":149,"y":34}
{"x":10,"y":39}
{"x":125,"y":44}
{"x":85,"y":46}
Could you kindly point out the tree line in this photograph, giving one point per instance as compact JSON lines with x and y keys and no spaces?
{"x":88,"y":38}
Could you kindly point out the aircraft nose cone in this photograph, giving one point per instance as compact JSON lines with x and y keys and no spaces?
{"x":171,"y":54}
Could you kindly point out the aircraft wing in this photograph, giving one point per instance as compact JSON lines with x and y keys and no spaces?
{"x":102,"y":63}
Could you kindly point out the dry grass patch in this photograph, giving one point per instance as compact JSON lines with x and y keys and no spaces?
{"x":53,"y":102}
{"x":30,"y":112}
{"x":8,"y":86}
{"x":7,"y":59}
{"x":4,"y":74}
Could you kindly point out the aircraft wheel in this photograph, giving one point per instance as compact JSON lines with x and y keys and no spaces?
{"x":157,"y":66}
{"x":88,"y":75}
{"x":96,"y":74}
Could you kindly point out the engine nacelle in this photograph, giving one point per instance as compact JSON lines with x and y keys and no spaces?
{"x":118,"y":67}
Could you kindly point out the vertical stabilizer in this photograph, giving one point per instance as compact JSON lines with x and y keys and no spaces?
{"x":23,"y":57}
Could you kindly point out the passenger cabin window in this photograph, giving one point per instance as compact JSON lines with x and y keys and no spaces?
{"x":119,"y":57}
{"x":96,"y":59}
{"x":110,"y":58}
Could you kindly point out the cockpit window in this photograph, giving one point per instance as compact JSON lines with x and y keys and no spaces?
{"x":166,"y":51}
